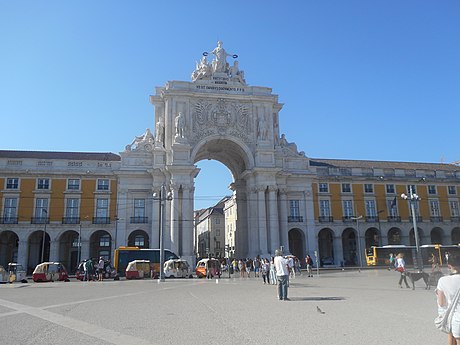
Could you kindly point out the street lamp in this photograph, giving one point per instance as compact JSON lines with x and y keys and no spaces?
{"x":44,"y":233}
{"x":162,"y":197}
{"x":359,"y":241}
{"x":79,"y":243}
{"x":413,"y":199}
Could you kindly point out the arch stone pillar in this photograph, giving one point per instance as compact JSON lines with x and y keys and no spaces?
{"x":174,"y":218}
{"x":338,"y":250}
{"x":23,"y":251}
{"x":283,"y":219}
{"x":262,"y":218}
{"x":187,"y":221}
{"x":273,"y":217}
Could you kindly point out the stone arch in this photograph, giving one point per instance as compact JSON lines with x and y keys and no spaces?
{"x":296,"y":243}
{"x":371,"y":237}
{"x":68,"y":250}
{"x":9,"y":242}
{"x":138,"y":238}
{"x":436,"y":236}
{"x":326,"y":247}
{"x":455,"y":235}
{"x":100,"y":245}
{"x":394,"y":236}
{"x":233,"y":153}
{"x":35,"y":242}
{"x":350,"y":247}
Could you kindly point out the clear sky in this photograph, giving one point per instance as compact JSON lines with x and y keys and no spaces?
{"x":376,"y":80}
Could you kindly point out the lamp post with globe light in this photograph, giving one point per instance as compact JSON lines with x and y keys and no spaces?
{"x":413,"y":198}
{"x":162,"y":197}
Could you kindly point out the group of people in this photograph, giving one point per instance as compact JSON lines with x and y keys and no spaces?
{"x":91,"y":270}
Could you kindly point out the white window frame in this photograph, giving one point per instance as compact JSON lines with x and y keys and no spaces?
{"x":370,"y":206}
{"x":103,"y":184}
{"x":10,"y":208}
{"x":348,"y":208}
{"x":434,"y":208}
{"x":294,"y":208}
{"x":324,"y":208}
{"x":454,"y":209}
{"x":73,"y":186}
{"x":452,"y":190}
{"x":72,"y":207}
{"x":368,"y":188}
{"x":323,"y":187}
{"x":139,"y":208}
{"x":43,"y":183}
{"x":102,"y":208}
{"x":12,"y":183}
{"x":41,"y":204}
{"x":347,"y":185}
{"x":390,"y":188}
{"x":432,"y":190}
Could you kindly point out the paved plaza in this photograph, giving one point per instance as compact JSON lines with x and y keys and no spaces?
{"x":346,"y":307}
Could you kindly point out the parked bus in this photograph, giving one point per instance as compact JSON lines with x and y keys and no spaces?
{"x":124,"y":255}
{"x":379,"y":256}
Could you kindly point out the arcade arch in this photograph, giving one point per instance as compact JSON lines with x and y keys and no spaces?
{"x":9,"y":242}
{"x":394,"y":236}
{"x":138,"y":238}
{"x":455,"y":236}
{"x":436,"y":236}
{"x":35,"y":249}
{"x":326,"y":247}
{"x":296,"y":243}
{"x":68,"y":250}
{"x":101,"y":245}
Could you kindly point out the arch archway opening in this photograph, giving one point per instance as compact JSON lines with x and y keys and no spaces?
{"x":68,"y":250}
{"x":9,"y":242}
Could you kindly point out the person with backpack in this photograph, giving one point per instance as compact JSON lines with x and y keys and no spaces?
{"x":309,"y":262}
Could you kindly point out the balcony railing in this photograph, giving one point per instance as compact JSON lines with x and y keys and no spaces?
{"x":71,"y":220}
{"x":40,"y":220}
{"x":295,"y":219}
{"x":8,"y":220}
{"x":436,"y":218}
{"x":394,"y":219}
{"x":101,"y":220}
{"x":326,"y":219}
{"x":348,"y":219}
{"x":139,"y":220}
{"x":372,"y":219}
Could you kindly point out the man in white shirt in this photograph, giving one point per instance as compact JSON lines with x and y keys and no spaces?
{"x":282,"y":274}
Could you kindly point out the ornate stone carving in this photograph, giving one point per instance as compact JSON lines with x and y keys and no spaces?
{"x":143,"y":142}
{"x":179,"y":123}
{"x":289,"y":149}
{"x":160,"y":132}
{"x":220,"y":118}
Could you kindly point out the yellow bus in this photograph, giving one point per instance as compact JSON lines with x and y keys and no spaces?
{"x":380,"y":256}
{"x":124,"y":255}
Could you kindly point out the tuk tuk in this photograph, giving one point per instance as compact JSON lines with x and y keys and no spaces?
{"x":138,"y":269}
{"x":17,"y":273}
{"x":50,"y":271}
{"x":177,"y":268}
{"x":4,"y":276}
{"x":208,"y":268}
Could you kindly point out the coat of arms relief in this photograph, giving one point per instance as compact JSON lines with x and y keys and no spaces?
{"x":222,"y":118}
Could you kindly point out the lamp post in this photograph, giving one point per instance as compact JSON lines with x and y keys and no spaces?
{"x":162,"y":197}
{"x":44,"y":233}
{"x":359,"y":241}
{"x":116,"y":230}
{"x":79,"y":243}
{"x":413,"y":199}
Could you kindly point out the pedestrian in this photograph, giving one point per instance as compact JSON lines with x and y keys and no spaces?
{"x":446,"y":290}
{"x":256,"y":263}
{"x":100,"y":269}
{"x":85,"y":270}
{"x":272,"y":271}
{"x":401,"y":268}
{"x":265,"y":268}
{"x":391,"y":263}
{"x":282,"y":274}
{"x":89,"y":269}
{"x":309,"y":262}
{"x":297,"y":266}
{"x":241,"y":268}
{"x":248,"y":267}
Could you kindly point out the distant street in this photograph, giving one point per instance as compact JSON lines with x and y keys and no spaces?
{"x":346,"y":307}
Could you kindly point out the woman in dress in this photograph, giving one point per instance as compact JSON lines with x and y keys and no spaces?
{"x":401,"y":268}
{"x":445,"y":292}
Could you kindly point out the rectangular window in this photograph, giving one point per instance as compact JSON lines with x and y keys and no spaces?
{"x":323,"y":188}
{"x":411,"y":187}
{"x":294,"y":208}
{"x":370,"y":208}
{"x":41,"y":208}
{"x":454,"y":211}
{"x":43,"y":183}
{"x":10,"y":210}
{"x":368,"y":188}
{"x":432,"y":189}
{"x":324,"y":208}
{"x":104,"y":241}
{"x":102,"y":208}
{"x":390,"y":188}
{"x":217,"y":232}
{"x":103,"y":184}
{"x":139,"y":208}
{"x":348,"y":208}
{"x":217,"y":220}
{"x":73,"y":184}
{"x":12,"y":183}
{"x":452,"y":190}
{"x":434,"y":208}
{"x":71,"y":209}
{"x":346,"y":188}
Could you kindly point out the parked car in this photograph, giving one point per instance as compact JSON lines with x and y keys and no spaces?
{"x":17,"y":273}
{"x":50,"y":271}
{"x":208,"y":268}
{"x":139,"y":269}
{"x":177,"y":268}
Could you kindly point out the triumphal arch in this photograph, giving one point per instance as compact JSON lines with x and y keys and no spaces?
{"x":218,"y":115}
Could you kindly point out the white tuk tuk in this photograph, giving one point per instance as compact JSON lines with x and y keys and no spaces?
{"x":177,"y":268}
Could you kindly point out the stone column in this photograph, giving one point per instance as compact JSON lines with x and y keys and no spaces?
{"x":174,"y":218}
{"x":309,"y":221}
{"x":187,"y":221}
{"x":155,"y":230}
{"x":262,"y":217}
{"x":338,"y":250}
{"x":284,"y":219}
{"x":274,"y":225}
{"x":85,"y":249}
{"x":54,"y":250}
{"x":23,"y":252}
{"x":252,"y":230}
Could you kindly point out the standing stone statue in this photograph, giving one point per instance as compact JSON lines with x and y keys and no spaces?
{"x":262,"y":129}
{"x":180,"y":125}
{"x":160,"y":131}
{"x":219,"y":64}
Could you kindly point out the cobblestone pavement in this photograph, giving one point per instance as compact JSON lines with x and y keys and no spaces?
{"x":346,"y":307}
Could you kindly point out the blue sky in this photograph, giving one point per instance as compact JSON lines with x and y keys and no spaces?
{"x":374,"y":80}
